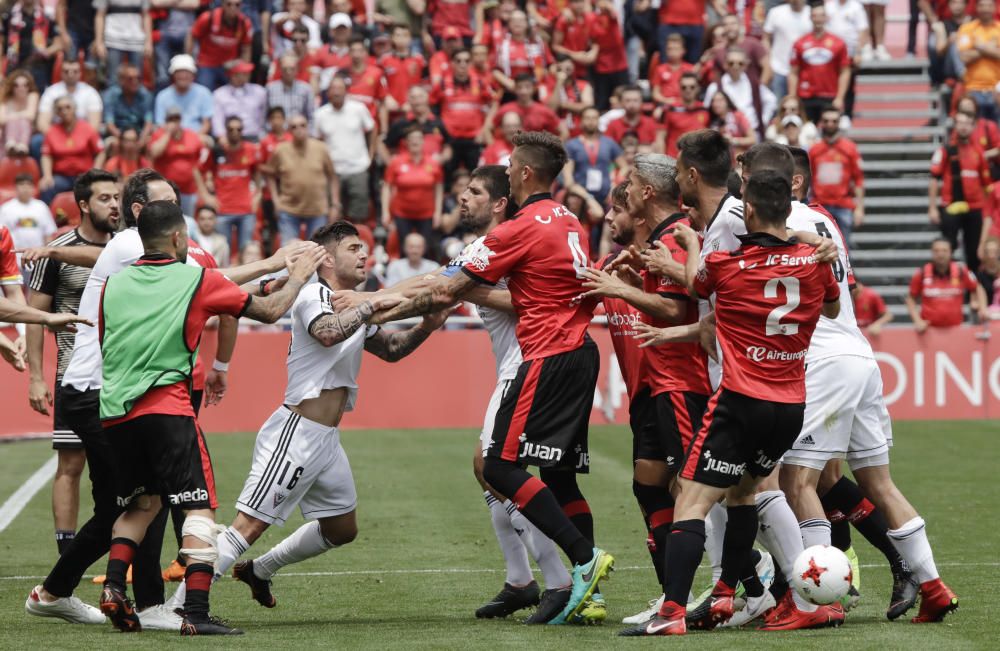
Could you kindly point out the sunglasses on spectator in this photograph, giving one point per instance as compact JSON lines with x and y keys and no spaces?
{"x":689,"y":86}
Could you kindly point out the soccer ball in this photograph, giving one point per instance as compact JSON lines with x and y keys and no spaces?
{"x":822,"y":574}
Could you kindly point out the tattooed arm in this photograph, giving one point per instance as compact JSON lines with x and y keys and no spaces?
{"x":331,"y":329}
{"x":394,"y":346}
{"x":438,"y":297}
{"x":270,"y":308}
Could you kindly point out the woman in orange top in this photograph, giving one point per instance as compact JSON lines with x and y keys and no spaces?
{"x":413,"y":189}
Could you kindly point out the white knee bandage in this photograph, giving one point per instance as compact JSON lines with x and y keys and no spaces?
{"x":205,"y":530}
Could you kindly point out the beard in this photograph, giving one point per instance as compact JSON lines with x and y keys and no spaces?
{"x":105,"y":225}
{"x":623,"y":237}
{"x":829,"y":132}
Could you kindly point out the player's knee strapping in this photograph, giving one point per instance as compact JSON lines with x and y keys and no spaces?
{"x":205,"y":530}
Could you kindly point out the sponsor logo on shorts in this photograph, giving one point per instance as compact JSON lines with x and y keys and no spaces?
{"x":807,"y":440}
{"x":722,"y":467}
{"x":125,"y":501}
{"x":764,"y":462}
{"x":582,"y":458}
{"x":197,"y":495}
{"x":539,"y":451}
{"x":760,"y":354}
{"x":278,"y":499}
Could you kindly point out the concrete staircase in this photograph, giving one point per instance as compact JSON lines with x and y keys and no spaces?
{"x":897,"y":126}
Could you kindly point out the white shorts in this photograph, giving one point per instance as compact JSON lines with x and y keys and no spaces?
{"x":297,"y":462}
{"x":845,"y":415}
{"x":486,"y":436}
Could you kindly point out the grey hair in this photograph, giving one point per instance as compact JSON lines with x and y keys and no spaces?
{"x":659,"y":171}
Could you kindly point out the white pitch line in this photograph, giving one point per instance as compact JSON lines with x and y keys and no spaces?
{"x":16,"y":502}
{"x":473,"y":570}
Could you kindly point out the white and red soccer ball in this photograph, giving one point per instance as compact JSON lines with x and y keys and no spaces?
{"x":822,"y":574}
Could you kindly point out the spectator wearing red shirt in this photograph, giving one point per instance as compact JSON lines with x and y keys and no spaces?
{"x":960,"y":174}
{"x":222,"y":34}
{"x":940,"y":286}
{"x":758,"y":58}
{"x":308,"y":64}
{"x":436,"y":138}
{"x":519,"y":52}
{"x":229,"y":170}
{"x":440,"y":62}
{"x":336,"y":56}
{"x":611,"y":66}
{"x":642,"y":125}
{"x":403,"y":69}
{"x":573,"y":36}
{"x":567,"y":95}
{"x":820,"y":70}
{"x":689,"y":115}
{"x":869,"y":309}
{"x":687,"y":18}
{"x":498,"y":152}
{"x":129,"y":157}
{"x":176,"y":154}
{"x":413,"y":190}
{"x":838,"y":178}
{"x":492,"y":27}
{"x":70,"y":148}
{"x":665,"y":80}
{"x":465,"y":104}
{"x":448,"y":15}
{"x":535,"y":116}
{"x":367,"y":84}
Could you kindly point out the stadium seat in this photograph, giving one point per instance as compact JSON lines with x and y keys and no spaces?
{"x":392,"y":243}
{"x":64,"y":209}
{"x":11,"y":166}
{"x":366,"y":236}
{"x":6,"y":194}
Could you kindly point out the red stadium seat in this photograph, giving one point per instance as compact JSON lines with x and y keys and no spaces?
{"x":6,"y":194}
{"x":366,"y":236}
{"x":392,"y":243}
{"x":11,"y":166}
{"x":64,"y":209}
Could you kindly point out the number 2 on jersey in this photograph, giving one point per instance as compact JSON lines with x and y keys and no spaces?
{"x":774,"y":326}
{"x":579,"y":257}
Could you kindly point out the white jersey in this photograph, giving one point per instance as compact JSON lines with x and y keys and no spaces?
{"x":721,"y":234}
{"x":501,"y":326}
{"x":840,"y":336}
{"x":84,"y":370}
{"x":313,"y":367}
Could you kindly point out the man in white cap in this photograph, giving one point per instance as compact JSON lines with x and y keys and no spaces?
{"x":193,"y":100}
{"x":337,"y":55}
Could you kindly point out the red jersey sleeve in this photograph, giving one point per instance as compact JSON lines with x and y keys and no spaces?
{"x":831,"y":289}
{"x":219,"y":295}
{"x":10,"y":274}
{"x":858,"y":173}
{"x":938,"y":161}
{"x":878,"y":305}
{"x":201,"y":25}
{"x":666,"y":286}
{"x":247,"y":32}
{"x":843,"y":61}
{"x":499,"y":253}
{"x":917,"y":284}
{"x":969,"y":280}
{"x":705,"y":281}
{"x":984,"y":172}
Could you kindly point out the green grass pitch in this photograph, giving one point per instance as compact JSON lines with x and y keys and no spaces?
{"x":426,"y":556}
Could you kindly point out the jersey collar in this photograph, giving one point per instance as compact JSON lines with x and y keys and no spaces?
{"x":664,"y":225}
{"x":766,"y":240}
{"x":718,"y":209}
{"x":156,"y":259}
{"x":535,"y":198}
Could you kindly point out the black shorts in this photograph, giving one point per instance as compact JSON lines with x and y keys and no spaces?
{"x":63,"y":436}
{"x":663,"y":425}
{"x":159,"y":454}
{"x":544,"y":416}
{"x":738,"y":434}
{"x":77,"y":411}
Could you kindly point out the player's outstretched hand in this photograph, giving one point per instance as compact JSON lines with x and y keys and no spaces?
{"x":346,"y":299}
{"x":826,"y":252}
{"x":306,"y":262}
{"x":33,"y":254}
{"x":601,"y":284}
{"x":386,"y":300}
{"x":216,"y":383}
{"x":658,"y":260}
{"x":11,"y":356}
{"x":650,"y":336}
{"x":65,"y":322}
{"x":631,"y":257}
{"x":286,"y":255}
{"x":435,"y":320}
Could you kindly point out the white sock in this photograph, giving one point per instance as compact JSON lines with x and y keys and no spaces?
{"x":715,"y":531}
{"x":515,"y":555}
{"x":910,"y":540}
{"x":180,"y":594}
{"x":541,"y":548}
{"x":779,"y":530}
{"x":232,"y":545}
{"x":815,"y":532}
{"x":305,"y":542}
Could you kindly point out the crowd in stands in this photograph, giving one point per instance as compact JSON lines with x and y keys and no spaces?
{"x":274,"y":117}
